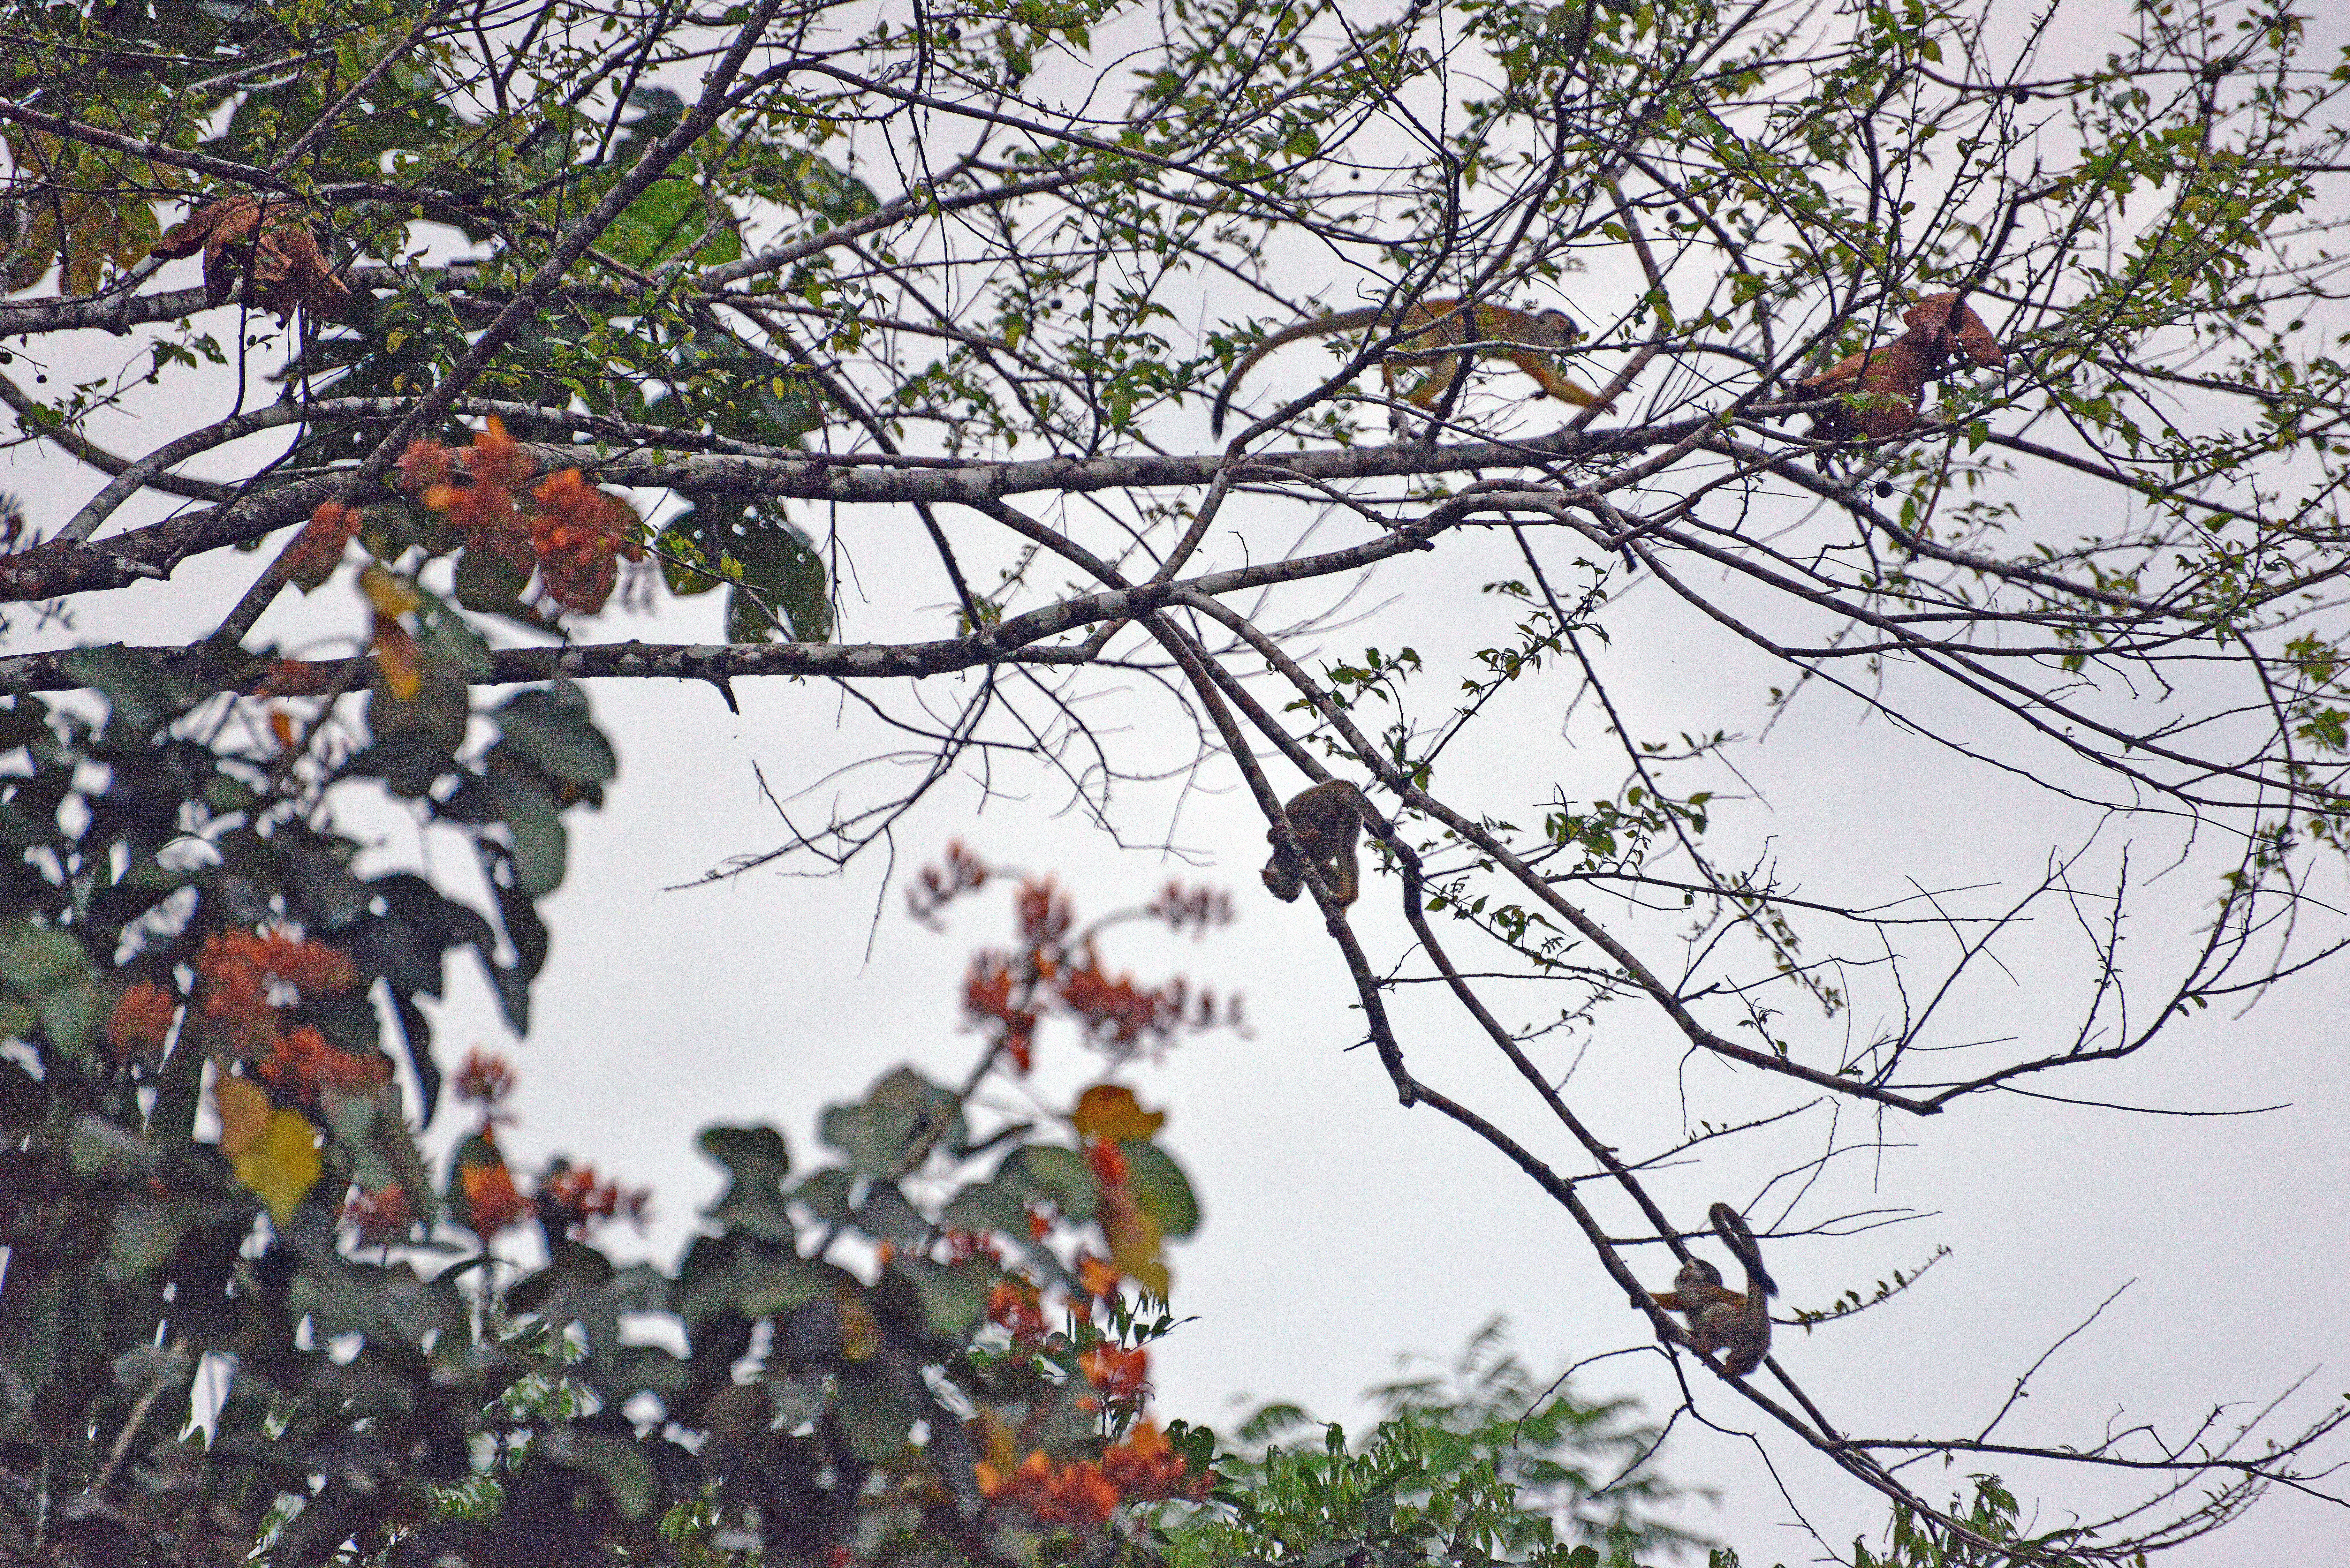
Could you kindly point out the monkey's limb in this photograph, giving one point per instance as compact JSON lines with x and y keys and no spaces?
{"x":1344,"y":321}
{"x":1722,"y":1323}
{"x":1447,"y":327}
{"x":1745,"y":1335}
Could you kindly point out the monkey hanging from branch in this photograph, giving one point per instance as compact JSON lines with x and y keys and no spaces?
{"x":1722,"y":1322}
{"x":1447,"y":332}
{"x":1327,"y":818}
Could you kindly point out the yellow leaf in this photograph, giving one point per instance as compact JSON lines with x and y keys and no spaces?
{"x":996,"y":1442}
{"x":860,"y":1334}
{"x":283,"y":1163}
{"x":389,"y":593}
{"x":400,"y":660}
{"x":243,"y":1107}
{"x":1110,"y":1112}
{"x":1133,"y":1238}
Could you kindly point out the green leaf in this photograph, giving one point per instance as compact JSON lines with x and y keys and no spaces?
{"x":445,"y":639}
{"x":37,"y":960}
{"x":415,"y":742}
{"x":489,"y":585}
{"x":877,"y":1134}
{"x":72,"y":1017}
{"x":999,"y":1203}
{"x":642,"y":1369}
{"x":886,"y":1216}
{"x":540,"y":842}
{"x":138,"y":692}
{"x":808,"y":180}
{"x":1160,"y":1186}
{"x":96,"y":1147}
{"x":1061,"y":1174}
{"x":616,"y":1461}
{"x":775,"y":1282}
{"x":953,"y":1295}
{"x":552,"y":729}
{"x":24,"y":1099}
{"x":351,"y":1118}
{"x":23,"y":719}
{"x":753,"y":1201}
{"x":334,"y":897}
{"x":873,"y":1418}
{"x":826,"y":1195}
{"x":753,"y":1209}
{"x":755,"y":1155}
{"x":777,"y":584}
{"x":682,"y":556}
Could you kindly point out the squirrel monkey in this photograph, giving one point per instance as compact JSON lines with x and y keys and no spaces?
{"x":1722,"y":1323}
{"x":1521,"y":337}
{"x":1326,"y":817}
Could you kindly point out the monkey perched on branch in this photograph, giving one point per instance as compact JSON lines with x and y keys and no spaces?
{"x":1446,"y":326}
{"x":1893,"y":376}
{"x":1326,"y":818}
{"x":1723,"y":1323}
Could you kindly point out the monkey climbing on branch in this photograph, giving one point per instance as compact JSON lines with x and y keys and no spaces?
{"x":1446,"y":329}
{"x":1890,"y":379}
{"x":1326,"y":817}
{"x":1722,"y":1322}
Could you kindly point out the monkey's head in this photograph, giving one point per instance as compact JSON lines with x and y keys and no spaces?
{"x":1285,"y":876}
{"x":1696,"y":1278}
{"x":1558,"y":328}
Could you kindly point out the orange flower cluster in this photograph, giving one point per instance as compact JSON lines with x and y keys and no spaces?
{"x":303,"y":1063}
{"x":1118,"y":1014}
{"x":1056,"y":965}
{"x":486,"y":1079}
{"x":1143,"y":1469}
{"x":251,"y":978}
{"x":1098,"y":1276}
{"x":318,"y":548}
{"x":579,"y":532}
{"x":578,"y":1202}
{"x":572,"y":532}
{"x":1122,"y":1376}
{"x":1146,"y":1469}
{"x":1045,"y":914}
{"x":987,"y":995}
{"x":962,"y":1246}
{"x":492,"y":1201}
{"x":1073,"y":1491}
{"x":1015,"y":1305}
{"x":1203,"y":907}
{"x":936,"y":888}
{"x":383,"y":1218}
{"x":142,"y":1021}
